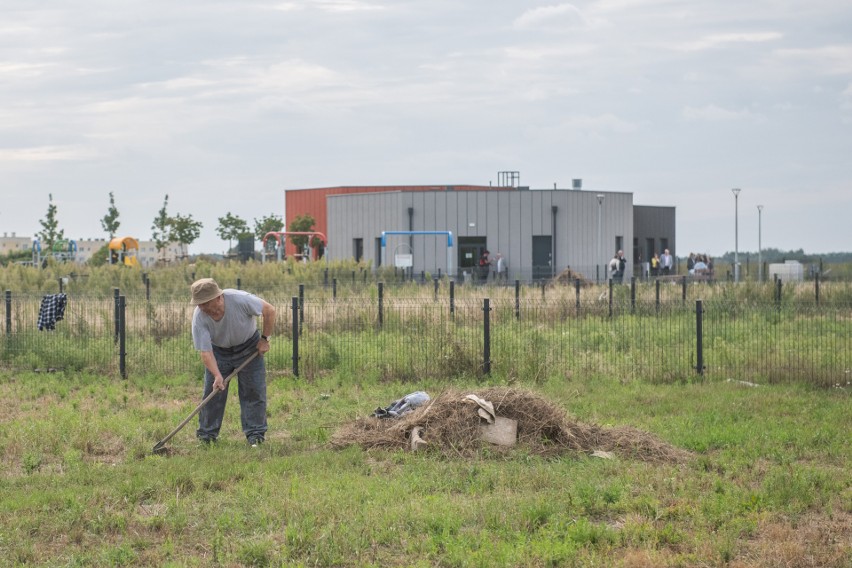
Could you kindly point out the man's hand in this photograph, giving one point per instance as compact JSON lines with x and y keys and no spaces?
{"x":218,"y":383}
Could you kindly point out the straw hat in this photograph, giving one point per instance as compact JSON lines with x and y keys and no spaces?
{"x":205,"y":290}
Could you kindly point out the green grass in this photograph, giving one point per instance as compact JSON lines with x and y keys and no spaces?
{"x":770,"y":483}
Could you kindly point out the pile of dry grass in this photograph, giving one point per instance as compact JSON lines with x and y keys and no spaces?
{"x":568,"y":277}
{"x":450,"y":425}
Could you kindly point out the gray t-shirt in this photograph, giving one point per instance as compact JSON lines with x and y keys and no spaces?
{"x":237,"y":325}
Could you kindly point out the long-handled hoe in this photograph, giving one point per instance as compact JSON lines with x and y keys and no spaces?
{"x":161,"y":445}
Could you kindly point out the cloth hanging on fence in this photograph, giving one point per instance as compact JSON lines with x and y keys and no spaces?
{"x":52,"y":310}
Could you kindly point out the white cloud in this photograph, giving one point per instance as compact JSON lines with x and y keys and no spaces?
{"x":714,"y":41}
{"x":713,"y":113}
{"x":46,"y":154}
{"x":560,"y":16}
{"x":827,"y":59}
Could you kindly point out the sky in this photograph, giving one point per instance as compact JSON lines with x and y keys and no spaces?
{"x":222,"y":105}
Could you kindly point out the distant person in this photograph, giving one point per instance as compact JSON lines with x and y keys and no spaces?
{"x":666,"y":262}
{"x":224,"y":332}
{"x":655,"y":264}
{"x":690,"y":263}
{"x":622,"y":265}
{"x":613,"y":267}
{"x":502,"y":268}
{"x":484,"y":265}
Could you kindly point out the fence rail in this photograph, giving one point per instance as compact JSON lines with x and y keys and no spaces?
{"x":521,"y":335}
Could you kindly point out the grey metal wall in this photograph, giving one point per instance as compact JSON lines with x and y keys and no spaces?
{"x":654,"y":222}
{"x":508,"y":220}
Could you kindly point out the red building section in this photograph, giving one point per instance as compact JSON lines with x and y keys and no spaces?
{"x":312,"y":201}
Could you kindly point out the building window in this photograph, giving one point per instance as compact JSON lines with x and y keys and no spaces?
{"x":358,"y":249}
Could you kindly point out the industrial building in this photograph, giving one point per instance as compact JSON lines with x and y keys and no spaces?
{"x":539,"y":233}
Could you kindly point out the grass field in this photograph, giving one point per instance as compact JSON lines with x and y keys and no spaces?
{"x":769,"y":482}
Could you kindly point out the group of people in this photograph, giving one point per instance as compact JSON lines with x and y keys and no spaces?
{"x":662,"y":264}
{"x":497,"y":266}
{"x":699,"y":264}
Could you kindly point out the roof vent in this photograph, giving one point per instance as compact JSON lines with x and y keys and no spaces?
{"x":577,"y":184}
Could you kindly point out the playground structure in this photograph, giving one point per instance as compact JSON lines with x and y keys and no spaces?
{"x":36,"y":253}
{"x":449,"y":235}
{"x":123,"y":250}
{"x":64,"y":250}
{"x":280,"y":237}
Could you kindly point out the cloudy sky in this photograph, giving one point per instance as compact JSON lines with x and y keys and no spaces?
{"x":223,"y":105}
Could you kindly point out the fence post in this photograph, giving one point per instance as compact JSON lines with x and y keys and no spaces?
{"x":353,"y":277}
{"x":577,"y":293}
{"x":632,"y":293}
{"x":657,"y":292}
{"x":147,"y":288}
{"x":453,"y":299}
{"x":8,"y":312}
{"x":517,"y":299}
{"x":816,"y":288}
{"x":122,"y":337}
{"x":778,"y":293}
{"x":115,"y":294}
{"x":325,"y":278}
{"x":435,"y":281}
{"x":61,"y":285}
{"x":334,"y":288}
{"x":486,"y":322}
{"x":683,"y":289}
{"x":699,"y":338}
{"x":610,"y":296}
{"x":381,"y":303}
{"x":239,"y":283}
{"x":294,"y":308}
{"x":301,"y":306}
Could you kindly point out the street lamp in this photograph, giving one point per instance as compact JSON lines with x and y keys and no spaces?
{"x":759,"y":247}
{"x":600,"y":239}
{"x":736,"y":192}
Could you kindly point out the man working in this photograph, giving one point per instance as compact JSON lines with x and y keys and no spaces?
{"x":224,"y":331}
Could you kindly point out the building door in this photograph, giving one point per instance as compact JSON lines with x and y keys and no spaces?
{"x":470,"y":249}
{"x":542,"y":257}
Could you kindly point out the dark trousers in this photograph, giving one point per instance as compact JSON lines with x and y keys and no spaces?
{"x":251,"y":388}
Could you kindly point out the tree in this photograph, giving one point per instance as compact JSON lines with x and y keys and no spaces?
{"x":50,"y":232}
{"x":110,"y":221}
{"x":304,"y":223}
{"x":231,"y":227}
{"x":160,"y":228}
{"x":270,"y":223}
{"x":184,"y":230}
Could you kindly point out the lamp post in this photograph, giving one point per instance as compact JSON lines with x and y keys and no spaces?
{"x":736,"y":192}
{"x":600,"y":239}
{"x":759,"y":247}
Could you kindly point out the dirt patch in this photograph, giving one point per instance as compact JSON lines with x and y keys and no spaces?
{"x":450,"y":425}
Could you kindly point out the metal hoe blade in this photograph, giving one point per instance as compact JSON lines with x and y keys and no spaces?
{"x":160,"y":446}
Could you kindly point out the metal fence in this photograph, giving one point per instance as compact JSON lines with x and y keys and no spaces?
{"x":526,"y":336}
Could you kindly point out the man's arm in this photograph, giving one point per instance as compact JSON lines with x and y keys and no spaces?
{"x":210,"y":364}
{"x":268,"y":313}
